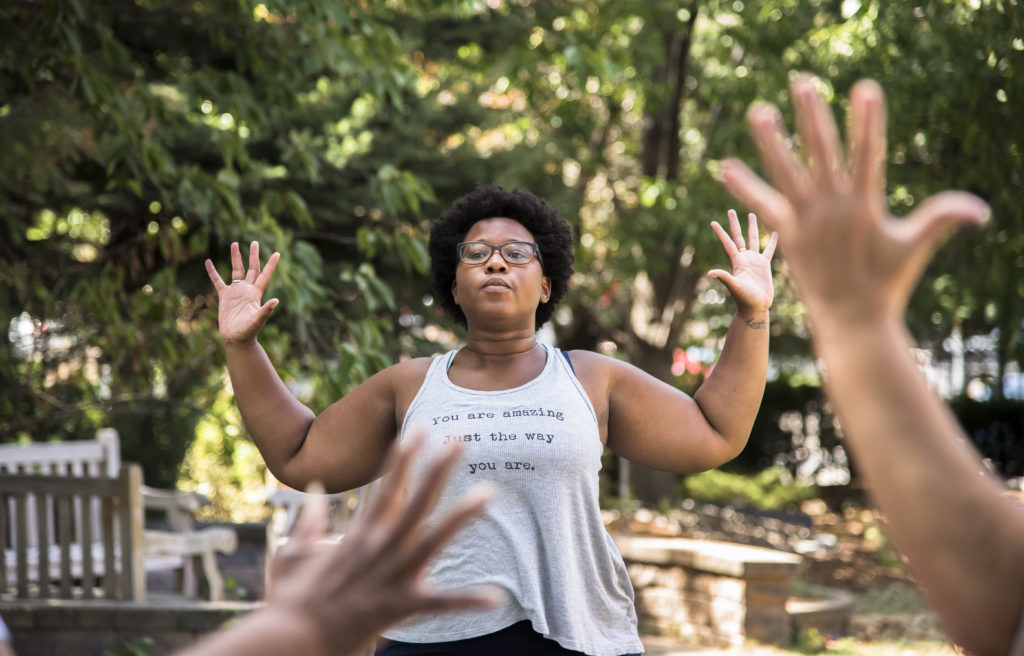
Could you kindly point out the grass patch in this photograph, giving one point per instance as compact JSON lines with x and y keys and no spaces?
{"x":890,"y":600}
{"x":769,"y":489}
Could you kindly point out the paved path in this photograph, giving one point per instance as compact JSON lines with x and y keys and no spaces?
{"x":657,"y":646}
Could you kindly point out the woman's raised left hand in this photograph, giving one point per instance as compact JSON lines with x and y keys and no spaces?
{"x":750,"y":281}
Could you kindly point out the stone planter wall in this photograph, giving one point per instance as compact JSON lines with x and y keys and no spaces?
{"x":712,"y":593}
{"x":61,"y":627}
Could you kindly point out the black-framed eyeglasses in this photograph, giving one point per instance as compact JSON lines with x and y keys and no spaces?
{"x":516,"y":253}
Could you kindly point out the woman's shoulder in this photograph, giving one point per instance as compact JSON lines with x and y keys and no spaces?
{"x":410,"y":367}
{"x":590,"y":367}
{"x":600,"y":370}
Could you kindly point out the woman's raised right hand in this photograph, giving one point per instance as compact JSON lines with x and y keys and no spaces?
{"x":240,"y":313}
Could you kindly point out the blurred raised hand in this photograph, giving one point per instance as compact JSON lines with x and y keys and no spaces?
{"x":326,"y":596}
{"x":850,"y":259}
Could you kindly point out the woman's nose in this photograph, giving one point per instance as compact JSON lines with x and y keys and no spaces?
{"x":496,"y":262}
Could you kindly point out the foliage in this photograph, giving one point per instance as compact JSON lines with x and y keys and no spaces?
{"x":228,"y":471}
{"x":770,"y":489}
{"x":794,"y":429}
{"x":140,"y":647}
{"x":997,"y":430}
{"x":811,"y":641}
{"x":141,"y":137}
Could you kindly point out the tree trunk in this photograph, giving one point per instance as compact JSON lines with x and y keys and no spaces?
{"x":661,"y":303}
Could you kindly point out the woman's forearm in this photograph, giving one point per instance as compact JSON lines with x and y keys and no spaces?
{"x":276,"y":420}
{"x":962,"y":536}
{"x":731,"y":396}
{"x":268,"y":631}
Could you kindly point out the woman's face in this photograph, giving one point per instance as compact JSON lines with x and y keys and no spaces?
{"x":496,"y":289}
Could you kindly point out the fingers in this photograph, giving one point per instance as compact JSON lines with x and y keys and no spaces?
{"x":211,"y":270}
{"x":817,"y":132}
{"x":479,"y":598}
{"x":312,"y":522}
{"x":727,"y":243}
{"x":263,"y":279}
{"x":737,"y":243}
{"x":773,"y":241}
{"x":263,"y":315}
{"x":425,"y":497}
{"x":939,"y":215}
{"x":867,"y":137}
{"x":471,"y":505}
{"x":734,"y":227}
{"x":254,"y":276}
{"x":753,"y":236}
{"x":775,"y":146}
{"x":750,"y":190}
{"x":254,"y":262}
{"x":387,"y":498}
{"x":237,"y":269}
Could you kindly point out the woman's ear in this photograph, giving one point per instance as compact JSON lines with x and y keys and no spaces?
{"x":455,"y":292}
{"x":545,"y":289}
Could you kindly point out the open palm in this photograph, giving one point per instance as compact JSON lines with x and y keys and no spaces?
{"x":750,"y":281}
{"x":240,"y":311}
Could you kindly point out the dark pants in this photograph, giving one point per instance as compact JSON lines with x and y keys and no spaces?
{"x":516,"y":640}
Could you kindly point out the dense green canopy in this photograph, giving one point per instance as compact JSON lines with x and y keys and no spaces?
{"x":138,"y":138}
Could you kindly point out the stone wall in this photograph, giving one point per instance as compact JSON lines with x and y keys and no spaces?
{"x":60,"y":627}
{"x":712,"y":593}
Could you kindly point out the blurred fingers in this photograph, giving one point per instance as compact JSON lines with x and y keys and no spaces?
{"x":943,"y":213}
{"x":477,"y":598}
{"x":867,"y":137}
{"x":424,"y":498}
{"x":773,"y":242}
{"x":311,"y":524}
{"x":471,"y":505}
{"x":818,"y":132}
{"x":750,"y":190}
{"x":386,"y":500}
{"x":774,"y":144}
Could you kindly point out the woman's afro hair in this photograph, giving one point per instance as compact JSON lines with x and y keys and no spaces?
{"x":552,"y":233}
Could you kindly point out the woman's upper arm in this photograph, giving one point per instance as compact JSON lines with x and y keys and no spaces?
{"x":346,"y":443}
{"x":654,"y":424}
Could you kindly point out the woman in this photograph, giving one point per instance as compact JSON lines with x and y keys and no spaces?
{"x":532,"y":420}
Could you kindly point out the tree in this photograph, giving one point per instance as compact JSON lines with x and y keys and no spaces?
{"x":622,"y":110}
{"x":142,"y":137}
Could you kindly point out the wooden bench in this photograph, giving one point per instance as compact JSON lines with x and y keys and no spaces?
{"x":56,"y":491}
{"x":91,"y":528}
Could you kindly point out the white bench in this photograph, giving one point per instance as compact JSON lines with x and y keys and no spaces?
{"x":47,"y":501}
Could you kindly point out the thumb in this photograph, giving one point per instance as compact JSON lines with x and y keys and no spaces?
{"x":311,"y":524}
{"x":941,"y":214}
{"x":265,"y":311}
{"x":724,"y":277}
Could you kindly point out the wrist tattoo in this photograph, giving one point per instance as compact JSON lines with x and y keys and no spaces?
{"x":757,"y":324}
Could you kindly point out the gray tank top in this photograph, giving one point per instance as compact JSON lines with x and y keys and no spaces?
{"x":541,"y":538}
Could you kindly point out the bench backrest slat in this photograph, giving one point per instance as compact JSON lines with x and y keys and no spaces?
{"x":88,"y":573}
